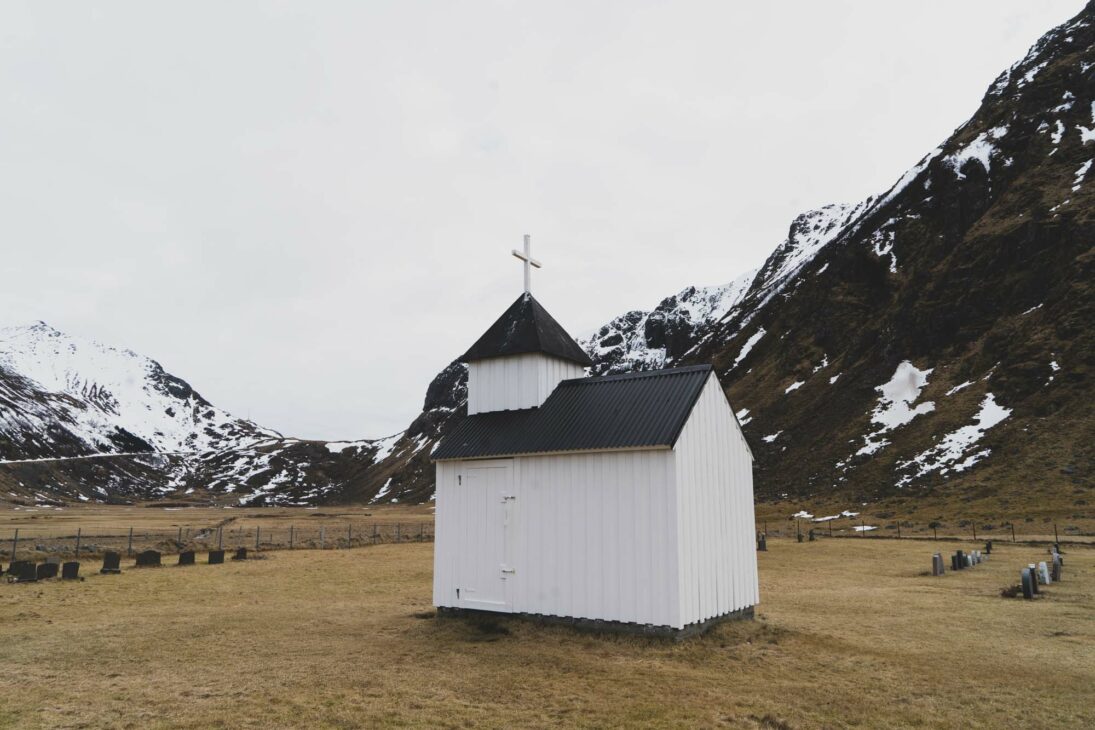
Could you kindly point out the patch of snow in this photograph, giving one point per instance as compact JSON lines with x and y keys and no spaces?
{"x":1058,"y":133}
{"x":802,"y":514}
{"x":948,"y":454}
{"x":747,"y":347}
{"x":1080,"y":173}
{"x":979,"y":149}
{"x":1054,"y":366}
{"x":895,"y":404}
{"x":1088,"y":135}
{"x":823,"y":268}
{"x":742,"y":416}
{"x":864,"y":528}
{"x":794,"y":386}
{"x":960,"y":386}
{"x":1036,"y":306}
{"x":833,"y":379}
{"x":824,"y":363}
{"x":771,"y":437}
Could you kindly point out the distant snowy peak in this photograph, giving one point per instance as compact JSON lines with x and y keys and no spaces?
{"x":640,"y":340}
{"x":98,"y":392}
{"x":810,"y":232}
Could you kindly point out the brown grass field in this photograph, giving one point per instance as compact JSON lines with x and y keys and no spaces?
{"x":850,"y":633}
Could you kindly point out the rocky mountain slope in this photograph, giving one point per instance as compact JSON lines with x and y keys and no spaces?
{"x":938,"y":334}
{"x":934,"y":338}
{"x":80,"y":421}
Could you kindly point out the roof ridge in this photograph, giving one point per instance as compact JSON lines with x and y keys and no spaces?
{"x":664,"y":372}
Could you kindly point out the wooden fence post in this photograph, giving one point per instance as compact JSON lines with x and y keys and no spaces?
{"x":322,"y":536}
{"x":349,"y":535}
{"x":220,"y":538}
{"x":376,"y":533}
{"x":1013,"y":532}
{"x":79,"y":530}
{"x":290,"y":537}
{"x":258,"y":532}
{"x":974,"y":530}
{"x":129,"y":546}
{"x":898,"y":530}
{"x":14,"y":545}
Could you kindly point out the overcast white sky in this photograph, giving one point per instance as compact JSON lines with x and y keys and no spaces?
{"x":305,"y":209}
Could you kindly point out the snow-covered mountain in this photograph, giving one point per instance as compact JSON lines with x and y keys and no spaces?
{"x":84,"y":421}
{"x":67,"y":396}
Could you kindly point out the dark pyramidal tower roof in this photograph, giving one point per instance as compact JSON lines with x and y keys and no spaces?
{"x":526,"y":327}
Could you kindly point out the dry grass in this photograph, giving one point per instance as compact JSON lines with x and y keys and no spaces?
{"x":850,"y":634}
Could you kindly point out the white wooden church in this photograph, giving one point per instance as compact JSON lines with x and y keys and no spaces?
{"x":624,"y":499}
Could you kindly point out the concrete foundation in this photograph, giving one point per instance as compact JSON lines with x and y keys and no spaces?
{"x":600,"y":626}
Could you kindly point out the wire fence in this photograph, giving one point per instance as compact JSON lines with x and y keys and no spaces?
{"x":961,"y":529}
{"x":130,"y":541}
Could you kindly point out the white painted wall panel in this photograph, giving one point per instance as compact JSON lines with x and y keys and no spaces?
{"x":716,"y":525}
{"x":594,"y":536}
{"x":516,"y":381}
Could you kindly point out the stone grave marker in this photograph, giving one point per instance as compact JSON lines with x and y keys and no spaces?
{"x":1026,"y":578}
{"x":70,"y":570}
{"x":47,"y":570}
{"x":1033,"y":577}
{"x":148,"y":559}
{"x":812,"y":536}
{"x":23,"y":571}
{"x":1043,"y":573}
{"x":241,"y":554}
{"x":937,"y":564}
{"x":1056,"y":569}
{"x":112,"y":563}
{"x":988,"y":547}
{"x":216,"y":557}
{"x":762,"y":542}
{"x":186,"y":557}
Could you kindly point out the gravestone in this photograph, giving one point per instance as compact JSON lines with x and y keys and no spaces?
{"x":800,"y":537}
{"x":1043,"y":573}
{"x":937,"y":564}
{"x":112,"y":563}
{"x":47,"y":570}
{"x":812,"y":538}
{"x":186,"y":557}
{"x":23,"y":571}
{"x":961,"y":559}
{"x":1033,"y":578}
{"x":969,"y":561}
{"x":762,"y":542}
{"x":988,"y":547}
{"x":216,"y":557}
{"x":148,"y":559}
{"x":70,"y":570}
{"x":241,"y":554}
{"x":1056,"y":570}
{"x":1027,"y":580}
{"x":954,"y":562}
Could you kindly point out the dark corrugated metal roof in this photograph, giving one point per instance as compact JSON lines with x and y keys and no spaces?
{"x":634,"y":410}
{"x":526,"y":327}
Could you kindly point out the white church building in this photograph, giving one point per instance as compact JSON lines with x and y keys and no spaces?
{"x":623,"y":501}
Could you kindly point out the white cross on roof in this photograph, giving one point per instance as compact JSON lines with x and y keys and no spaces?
{"x":526,"y":257}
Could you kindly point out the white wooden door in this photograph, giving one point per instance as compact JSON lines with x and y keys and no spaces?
{"x":484,"y":568}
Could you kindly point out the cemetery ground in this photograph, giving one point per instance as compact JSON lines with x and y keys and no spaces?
{"x":850,"y":632}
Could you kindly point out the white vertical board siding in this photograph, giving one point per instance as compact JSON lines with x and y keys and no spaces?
{"x":594,"y":536}
{"x":715,"y":518}
{"x":514,"y":382}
